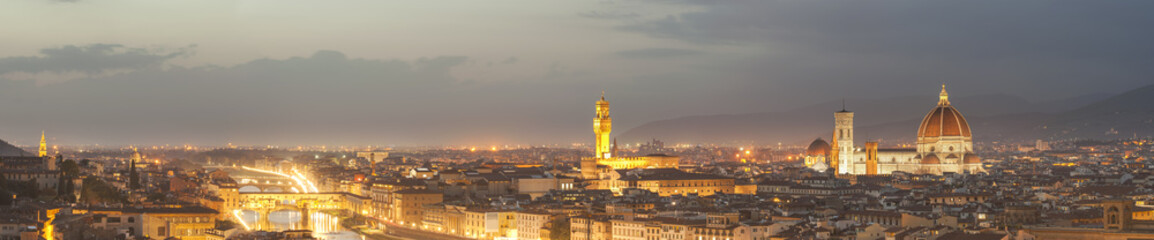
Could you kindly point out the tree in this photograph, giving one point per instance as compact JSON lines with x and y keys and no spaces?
{"x":70,"y":168}
{"x":26,"y":189}
{"x":133,"y":176}
{"x":97,"y":191}
{"x":559,"y":229}
{"x":69,"y":171}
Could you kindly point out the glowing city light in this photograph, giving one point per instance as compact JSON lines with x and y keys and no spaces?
{"x":236,"y":214}
{"x":304,"y":188}
{"x":311,"y":186}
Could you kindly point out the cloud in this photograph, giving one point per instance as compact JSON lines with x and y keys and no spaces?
{"x":90,"y":59}
{"x":1039,"y":49}
{"x":609,"y":15}
{"x":928,"y":28}
{"x":329,"y":98}
{"x":739,"y":56}
{"x":656,"y":53}
{"x":325,"y":94}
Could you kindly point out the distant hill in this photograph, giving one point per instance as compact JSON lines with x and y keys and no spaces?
{"x":7,"y":150}
{"x":893,"y":120}
{"x":1124,"y":115}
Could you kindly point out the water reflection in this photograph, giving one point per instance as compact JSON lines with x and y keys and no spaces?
{"x":324,"y":226}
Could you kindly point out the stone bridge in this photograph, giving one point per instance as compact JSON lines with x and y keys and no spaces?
{"x":268,"y":185}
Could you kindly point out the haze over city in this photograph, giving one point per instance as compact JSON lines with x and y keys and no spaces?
{"x":523,"y":72}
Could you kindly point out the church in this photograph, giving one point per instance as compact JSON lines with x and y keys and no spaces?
{"x":41,"y":170}
{"x":944,"y":144}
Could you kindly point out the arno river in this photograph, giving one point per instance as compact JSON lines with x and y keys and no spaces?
{"x":324,"y":226}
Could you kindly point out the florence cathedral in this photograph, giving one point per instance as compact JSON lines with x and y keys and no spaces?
{"x":944,"y":144}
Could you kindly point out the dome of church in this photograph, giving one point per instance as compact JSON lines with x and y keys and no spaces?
{"x":818,"y":148}
{"x":944,"y":121}
{"x":931,"y":159}
{"x":971,"y":158}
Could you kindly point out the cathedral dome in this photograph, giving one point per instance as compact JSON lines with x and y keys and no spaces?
{"x":944,"y":121}
{"x":971,"y":158}
{"x":931,"y":159}
{"x":818,"y":148}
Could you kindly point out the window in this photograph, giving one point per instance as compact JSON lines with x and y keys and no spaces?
{"x":131,"y":219}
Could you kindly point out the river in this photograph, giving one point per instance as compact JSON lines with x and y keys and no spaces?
{"x":324,"y":226}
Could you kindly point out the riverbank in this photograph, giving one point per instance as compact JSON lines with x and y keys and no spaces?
{"x":359,"y":224}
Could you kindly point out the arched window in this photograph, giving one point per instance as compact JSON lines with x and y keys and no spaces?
{"x":1113,"y":215}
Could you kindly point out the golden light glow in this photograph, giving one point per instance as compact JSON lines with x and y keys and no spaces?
{"x":301,"y":181}
{"x":49,"y":225}
{"x":306,"y":180}
{"x":236,"y":214}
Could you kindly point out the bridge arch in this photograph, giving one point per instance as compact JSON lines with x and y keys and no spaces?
{"x":254,"y":188}
{"x":265,"y":204}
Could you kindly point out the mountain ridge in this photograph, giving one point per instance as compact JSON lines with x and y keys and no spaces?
{"x":992,"y":116}
{"x":8,"y":150}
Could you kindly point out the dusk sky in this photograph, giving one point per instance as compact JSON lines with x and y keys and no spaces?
{"x":523,"y":72}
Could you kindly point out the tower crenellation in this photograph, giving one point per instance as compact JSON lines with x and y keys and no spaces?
{"x":602,"y":126}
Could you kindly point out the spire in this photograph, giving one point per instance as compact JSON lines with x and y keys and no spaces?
{"x":843,"y":104}
{"x":613,"y":152}
{"x":944,"y":97}
{"x":602,"y":95}
{"x":43,"y":145}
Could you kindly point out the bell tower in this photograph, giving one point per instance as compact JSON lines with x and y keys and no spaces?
{"x":1117,"y":214}
{"x":871,"y":167}
{"x":843,"y":136}
{"x":602,"y":125}
{"x":43,"y":145}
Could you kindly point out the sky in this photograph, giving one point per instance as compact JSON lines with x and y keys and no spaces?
{"x":411,"y":73}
